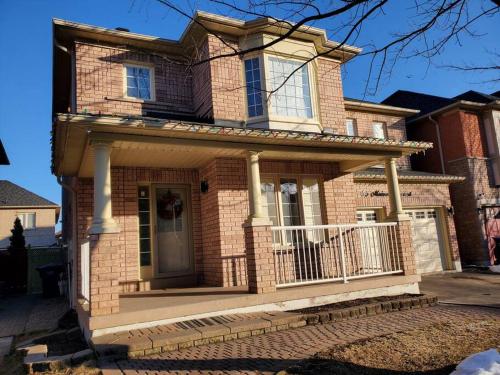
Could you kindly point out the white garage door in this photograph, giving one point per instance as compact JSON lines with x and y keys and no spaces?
{"x":427,"y":240}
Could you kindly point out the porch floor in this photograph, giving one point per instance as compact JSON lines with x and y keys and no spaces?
{"x":159,"y":307}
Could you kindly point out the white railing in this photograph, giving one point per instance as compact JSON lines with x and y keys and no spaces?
{"x":85,"y":270}
{"x":320,"y":253}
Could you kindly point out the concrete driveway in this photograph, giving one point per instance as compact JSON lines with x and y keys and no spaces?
{"x":465,"y":288}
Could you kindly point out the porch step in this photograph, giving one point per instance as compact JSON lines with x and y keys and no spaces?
{"x":181,"y":335}
{"x":190,"y":333}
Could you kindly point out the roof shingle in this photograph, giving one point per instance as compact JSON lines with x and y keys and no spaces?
{"x":14,"y":195}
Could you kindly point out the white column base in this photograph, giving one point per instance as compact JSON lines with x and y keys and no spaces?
{"x":398,"y":217}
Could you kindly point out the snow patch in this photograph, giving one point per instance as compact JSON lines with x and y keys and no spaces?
{"x":484,"y":363}
{"x":495,"y":269}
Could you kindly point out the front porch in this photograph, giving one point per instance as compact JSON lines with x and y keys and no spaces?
{"x":272,"y":213}
{"x":159,"y":307}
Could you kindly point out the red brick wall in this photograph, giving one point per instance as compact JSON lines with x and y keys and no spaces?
{"x":331,"y":97}
{"x":430,"y":161}
{"x":395,"y":128}
{"x":228,"y":88}
{"x":100,"y":81}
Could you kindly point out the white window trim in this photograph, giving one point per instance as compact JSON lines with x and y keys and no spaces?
{"x":152,"y":86}
{"x":267,"y":114}
{"x":384,"y":129}
{"x":277,"y":196}
{"x":21,"y":216}
{"x":354,"y":126}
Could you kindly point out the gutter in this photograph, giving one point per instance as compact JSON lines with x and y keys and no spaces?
{"x":440,"y":148}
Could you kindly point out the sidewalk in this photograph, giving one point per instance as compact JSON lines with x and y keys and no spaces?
{"x":29,"y":313}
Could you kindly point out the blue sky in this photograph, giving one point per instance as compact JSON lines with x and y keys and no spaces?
{"x":26,"y":64}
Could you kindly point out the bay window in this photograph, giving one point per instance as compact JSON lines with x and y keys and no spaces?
{"x":293,"y":95}
{"x":286,"y":82}
{"x":254,"y":90}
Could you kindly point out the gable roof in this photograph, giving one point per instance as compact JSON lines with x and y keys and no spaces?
{"x":474,"y":96}
{"x":12,"y":195}
{"x":428,"y":104}
{"x":424,"y":102}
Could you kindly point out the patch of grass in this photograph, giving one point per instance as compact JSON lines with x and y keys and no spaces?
{"x":431,"y":350}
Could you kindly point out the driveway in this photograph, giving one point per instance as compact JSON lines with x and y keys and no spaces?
{"x":464,"y":288}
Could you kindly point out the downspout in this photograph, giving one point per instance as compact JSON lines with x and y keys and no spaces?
{"x":438,"y":134}
{"x":74,"y":241}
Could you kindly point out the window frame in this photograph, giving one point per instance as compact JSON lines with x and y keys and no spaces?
{"x":277,"y":193}
{"x":152,"y":86}
{"x":21,"y":216}
{"x":354,"y":127}
{"x":267,"y":114}
{"x":384,"y":129}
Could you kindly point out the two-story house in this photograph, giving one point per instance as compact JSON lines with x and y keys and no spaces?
{"x":196,"y":185}
{"x":465,"y":131}
{"x":38,"y":215}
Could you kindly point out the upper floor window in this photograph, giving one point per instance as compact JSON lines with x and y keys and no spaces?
{"x":254,"y":94}
{"x":28,"y":219}
{"x":350,"y":127}
{"x":293,"y":94}
{"x":139,"y":82}
{"x":379,"y":130}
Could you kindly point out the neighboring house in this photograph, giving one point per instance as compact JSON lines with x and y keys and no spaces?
{"x":4,"y":160}
{"x":38,"y":215}
{"x":184,"y":175}
{"x":465,"y":131}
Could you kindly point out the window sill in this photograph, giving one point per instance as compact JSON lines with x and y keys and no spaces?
{"x":132,"y":100}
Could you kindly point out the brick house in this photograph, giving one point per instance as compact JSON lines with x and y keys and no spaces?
{"x":188,"y":191}
{"x":465,"y":131}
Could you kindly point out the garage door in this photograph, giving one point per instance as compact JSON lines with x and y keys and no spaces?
{"x":427,"y":240}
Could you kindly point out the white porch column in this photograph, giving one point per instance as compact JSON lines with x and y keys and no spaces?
{"x":255,"y":203}
{"x":396,"y":206}
{"x":102,"y":221}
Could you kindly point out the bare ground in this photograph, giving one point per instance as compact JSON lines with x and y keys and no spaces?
{"x":432,"y":350}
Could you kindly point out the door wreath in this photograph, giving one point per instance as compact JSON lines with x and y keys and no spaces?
{"x":169,"y":206}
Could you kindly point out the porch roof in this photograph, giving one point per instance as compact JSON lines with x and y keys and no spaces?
{"x":72,"y":133}
{"x":407,"y":176}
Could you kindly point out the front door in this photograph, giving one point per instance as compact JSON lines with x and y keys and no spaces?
{"x":174,"y":252}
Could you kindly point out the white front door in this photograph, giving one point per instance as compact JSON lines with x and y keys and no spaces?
{"x":174,"y":254}
{"x":427,"y":241}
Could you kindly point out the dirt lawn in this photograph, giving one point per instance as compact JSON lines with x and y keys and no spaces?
{"x":435,"y":349}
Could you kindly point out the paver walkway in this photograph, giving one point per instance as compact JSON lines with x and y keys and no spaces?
{"x":276,"y":351}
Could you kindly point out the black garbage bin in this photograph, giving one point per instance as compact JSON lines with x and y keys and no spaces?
{"x":50,"y":274}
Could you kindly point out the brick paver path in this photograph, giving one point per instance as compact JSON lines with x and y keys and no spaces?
{"x":276,"y":351}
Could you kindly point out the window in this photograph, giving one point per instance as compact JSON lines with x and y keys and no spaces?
{"x":432,"y":214}
{"x":144,"y":226}
{"x":350,"y":127}
{"x":292,"y":201}
{"x":293,"y":98}
{"x":139,"y":82}
{"x":254,"y":92}
{"x":379,"y":130}
{"x":28,"y":220}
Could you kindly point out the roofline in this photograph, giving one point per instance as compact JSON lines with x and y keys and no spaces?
{"x":381,"y":108}
{"x":437,"y":179}
{"x":459,"y":104}
{"x":54,"y":206}
{"x":214,"y":23}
